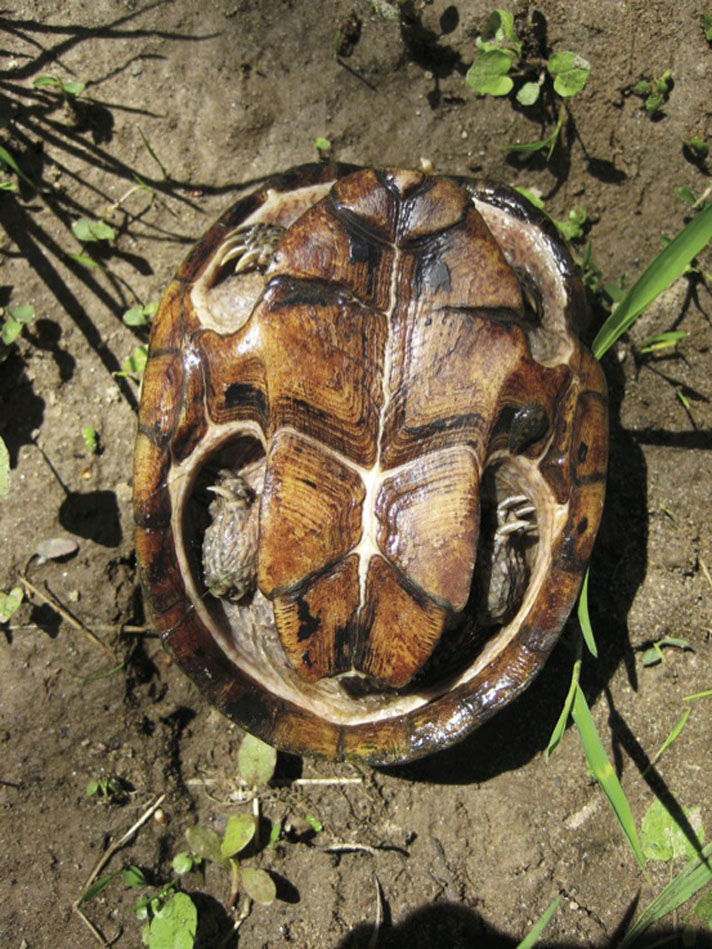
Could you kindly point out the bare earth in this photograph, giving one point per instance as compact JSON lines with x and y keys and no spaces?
{"x":471,"y":846}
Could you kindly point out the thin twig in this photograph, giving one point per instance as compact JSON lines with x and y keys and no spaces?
{"x":103,"y":860}
{"x":348,"y":848}
{"x":146,"y":631}
{"x":67,"y":617}
{"x":703,"y":197}
{"x":100,"y":938}
{"x":285,"y":782}
{"x":282,"y":782}
{"x":244,"y":913}
{"x":373,"y":941}
{"x":107,"y":855}
{"x":256,"y":815}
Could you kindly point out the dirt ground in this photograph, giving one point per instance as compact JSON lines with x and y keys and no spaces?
{"x":467,"y":848}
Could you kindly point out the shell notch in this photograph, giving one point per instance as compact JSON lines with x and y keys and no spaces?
{"x":369,"y":472}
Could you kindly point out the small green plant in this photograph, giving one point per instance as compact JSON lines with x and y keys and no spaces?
{"x":87,"y":230}
{"x":91,"y":440}
{"x":141,"y":315}
{"x":706,"y":24}
{"x":106,"y":788}
{"x":256,"y":761}
{"x":323,"y":146}
{"x":170,"y":916}
{"x":239,"y":832}
{"x":7,"y":161}
{"x":695,"y":149}
{"x":655,"y":344}
{"x":499,"y":67}
{"x":10,"y":603}
{"x":572,"y":226}
{"x":314,"y":822}
{"x":654,"y":92}
{"x":663,"y":839}
{"x":654,"y":653}
{"x":690,"y":198}
{"x":135,"y":363}
{"x":70,"y":90}
{"x":15,"y":318}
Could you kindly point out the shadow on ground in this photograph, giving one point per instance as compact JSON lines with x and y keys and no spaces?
{"x":456,"y":927}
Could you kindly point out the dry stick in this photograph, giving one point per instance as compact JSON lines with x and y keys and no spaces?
{"x":281,"y":782}
{"x":285,"y":782}
{"x":67,"y":617}
{"x":348,"y":848}
{"x":703,"y":197}
{"x":256,"y":815}
{"x":373,"y":941}
{"x":128,"y":630}
{"x":244,"y":913}
{"x":104,"y":859}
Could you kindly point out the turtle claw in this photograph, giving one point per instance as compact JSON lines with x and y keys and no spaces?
{"x":513,"y":516}
{"x":252,"y":246}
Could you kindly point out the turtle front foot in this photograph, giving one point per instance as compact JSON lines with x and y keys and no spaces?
{"x":252,"y":246}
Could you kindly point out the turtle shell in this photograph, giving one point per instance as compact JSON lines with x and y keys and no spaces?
{"x":400,"y":383}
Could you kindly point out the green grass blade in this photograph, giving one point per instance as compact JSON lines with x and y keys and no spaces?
{"x":698,"y":695}
{"x":667,"y":266}
{"x":674,"y":733}
{"x":585,"y":619}
{"x":660,"y":341}
{"x":560,"y":726}
{"x":531,"y":937}
{"x":683,"y":887}
{"x":98,"y":886}
{"x":7,"y":159}
{"x":604,"y":773}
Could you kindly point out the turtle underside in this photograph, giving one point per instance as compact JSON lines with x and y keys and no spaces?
{"x":371,"y":458}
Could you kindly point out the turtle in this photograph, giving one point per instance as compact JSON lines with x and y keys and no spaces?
{"x":371,"y":458}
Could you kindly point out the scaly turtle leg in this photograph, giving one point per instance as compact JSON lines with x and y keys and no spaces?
{"x":231,"y":540}
{"x":504,"y":571}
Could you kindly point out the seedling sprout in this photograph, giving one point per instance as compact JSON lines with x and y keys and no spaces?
{"x":69,"y":89}
{"x":654,"y":92}
{"x":141,"y":315}
{"x":499,"y":67}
